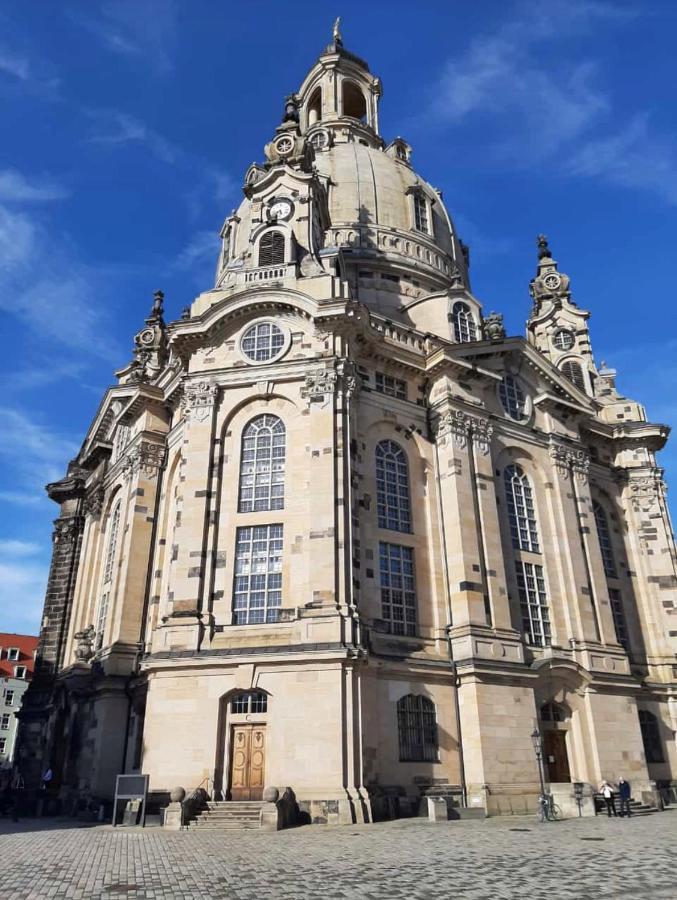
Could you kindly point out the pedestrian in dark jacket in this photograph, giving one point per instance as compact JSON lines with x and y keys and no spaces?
{"x":624,"y":796}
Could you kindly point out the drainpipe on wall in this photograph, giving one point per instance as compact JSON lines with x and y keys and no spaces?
{"x":452,"y":662}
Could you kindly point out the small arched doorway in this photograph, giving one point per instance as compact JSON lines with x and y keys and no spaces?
{"x":555,"y":720}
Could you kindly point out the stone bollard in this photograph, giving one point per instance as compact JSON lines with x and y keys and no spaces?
{"x":437,"y":809}
{"x":173,"y":819}
{"x":270,"y":818}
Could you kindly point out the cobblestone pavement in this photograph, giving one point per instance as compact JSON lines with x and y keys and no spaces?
{"x":497,"y":859}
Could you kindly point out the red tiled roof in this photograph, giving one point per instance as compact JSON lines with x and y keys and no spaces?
{"x":26,"y":644}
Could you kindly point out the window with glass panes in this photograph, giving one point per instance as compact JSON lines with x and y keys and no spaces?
{"x":604,"y":536}
{"x":257,"y":589}
{"x":398,"y":594}
{"x":262,"y":465}
{"x":249,"y":702}
{"x":108,"y":568}
{"x":533,"y":603}
{"x":573,"y":371}
{"x":464,"y":323}
{"x":392,"y":487}
{"x":421,"y":213}
{"x":417,"y":729}
{"x":393,"y":387}
{"x":262,"y":341}
{"x":651,"y":737}
{"x":521,"y":513}
{"x":3,"y":745}
{"x":513,"y":398}
{"x":618,"y":613}
{"x":9,"y":698}
{"x":4,"y":721}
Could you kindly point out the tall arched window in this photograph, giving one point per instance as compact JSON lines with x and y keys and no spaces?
{"x":315,"y":107}
{"x":262,"y":465}
{"x":521,"y":512}
{"x":108,"y":568}
{"x":513,"y":398}
{"x":604,"y":539}
{"x":651,"y":737}
{"x":392,"y":487}
{"x":271,"y":249}
{"x":417,"y":729}
{"x":421,"y":213}
{"x":464,"y":323}
{"x":573,"y":371}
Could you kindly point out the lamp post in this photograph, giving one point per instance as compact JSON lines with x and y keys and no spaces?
{"x":538,"y":750}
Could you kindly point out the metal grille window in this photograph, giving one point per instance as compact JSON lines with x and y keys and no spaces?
{"x":4,"y":721}
{"x":249,"y":702}
{"x":417,"y":729}
{"x":651,"y":737}
{"x":262,"y":341}
{"x":620,"y":624}
{"x":392,"y":487}
{"x":257,"y":591}
{"x":521,"y":513}
{"x":513,"y":398}
{"x":464,"y":323}
{"x":398,"y":595}
{"x":421,"y":213}
{"x":573,"y":371}
{"x":604,"y":536}
{"x":271,"y":249}
{"x":393,"y":387}
{"x":262,"y":465}
{"x":533,"y":603}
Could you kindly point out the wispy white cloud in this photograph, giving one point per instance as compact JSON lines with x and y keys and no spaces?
{"x":17,"y":187}
{"x":31,"y":448}
{"x":542,"y":104}
{"x":23,"y":577}
{"x":14,"y":65}
{"x":11,"y":547}
{"x":141,"y":29}
{"x":200,"y":252}
{"x":118,"y":128}
{"x":24,"y":498}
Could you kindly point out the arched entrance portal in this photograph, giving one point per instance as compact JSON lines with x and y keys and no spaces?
{"x":555,"y":720}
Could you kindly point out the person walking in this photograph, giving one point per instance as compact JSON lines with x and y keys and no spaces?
{"x":624,"y":797}
{"x":607,"y":792}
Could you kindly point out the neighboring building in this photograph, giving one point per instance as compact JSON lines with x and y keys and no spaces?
{"x":333,"y":530}
{"x":17,"y":661}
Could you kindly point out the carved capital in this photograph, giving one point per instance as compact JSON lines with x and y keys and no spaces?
{"x":199,"y":398}
{"x":570,"y":460}
{"x":645,"y":491}
{"x":319,"y":384}
{"x":84,"y":649}
{"x":94,"y":500}
{"x":462,"y":427}
{"x":66,"y":532}
{"x":145,"y":458}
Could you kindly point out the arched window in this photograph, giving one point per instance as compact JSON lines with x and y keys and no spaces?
{"x":108,"y":567}
{"x":651,"y":737}
{"x":271,"y":249}
{"x":417,"y":729}
{"x":354,"y":104}
{"x":604,"y":539}
{"x":513,"y":398}
{"x":392,"y":487}
{"x":521,"y":513}
{"x":249,"y":702}
{"x":464,"y":323}
{"x":573,"y":371}
{"x":315,"y":107}
{"x":262,"y":465}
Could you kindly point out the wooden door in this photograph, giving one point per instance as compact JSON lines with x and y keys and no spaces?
{"x":555,"y":756}
{"x":248,"y":762}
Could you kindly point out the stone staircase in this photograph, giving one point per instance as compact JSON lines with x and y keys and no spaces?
{"x":227,"y":815}
{"x":636,"y":807}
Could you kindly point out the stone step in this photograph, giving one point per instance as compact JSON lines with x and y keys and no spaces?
{"x":227,"y":815}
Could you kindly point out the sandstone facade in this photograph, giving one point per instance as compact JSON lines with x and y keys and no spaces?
{"x":333,"y":530}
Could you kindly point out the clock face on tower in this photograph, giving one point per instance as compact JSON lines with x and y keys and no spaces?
{"x":280,"y":209}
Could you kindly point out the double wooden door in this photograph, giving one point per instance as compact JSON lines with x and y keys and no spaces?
{"x":556,"y":757}
{"x":248,"y":762}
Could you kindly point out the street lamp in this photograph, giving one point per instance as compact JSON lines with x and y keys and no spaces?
{"x":538,"y":750}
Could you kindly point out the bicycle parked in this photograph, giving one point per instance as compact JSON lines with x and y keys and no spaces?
{"x":548,"y":810}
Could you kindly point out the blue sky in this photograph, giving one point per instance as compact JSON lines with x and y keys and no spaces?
{"x":128,"y":126}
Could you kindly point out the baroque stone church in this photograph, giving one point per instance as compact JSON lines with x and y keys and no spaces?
{"x":334,"y":530}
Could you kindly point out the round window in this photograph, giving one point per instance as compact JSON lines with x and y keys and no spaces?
{"x":263,"y":342}
{"x":319,"y":140}
{"x":564,"y":339}
{"x":284,"y":145}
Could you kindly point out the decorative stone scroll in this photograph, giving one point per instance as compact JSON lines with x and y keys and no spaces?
{"x":145,"y":458}
{"x":94,"y":500}
{"x":462,"y":426}
{"x":199,"y":398}
{"x":570,"y":459}
{"x":319,"y":383}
